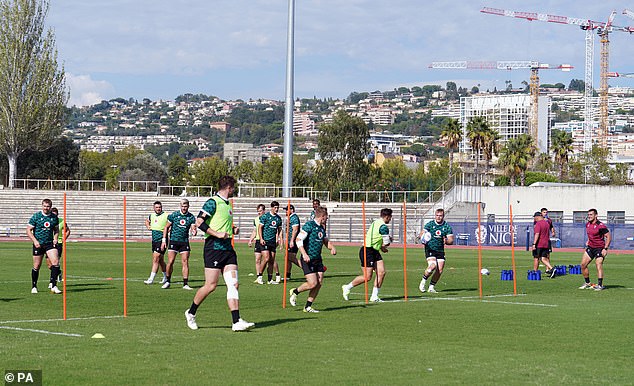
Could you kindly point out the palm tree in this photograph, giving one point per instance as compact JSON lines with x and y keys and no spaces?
{"x":491,"y":145}
{"x":515,"y":157}
{"x":477,"y":128}
{"x":452,"y":135}
{"x":561,"y":147}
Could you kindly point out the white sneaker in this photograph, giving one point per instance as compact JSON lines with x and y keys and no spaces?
{"x":345,"y":291}
{"x":278,"y":279}
{"x":148,"y":281}
{"x":273,"y":282}
{"x":163,"y":280}
{"x":421,"y":286}
{"x":376,"y":300}
{"x":191,"y":320}
{"x":310,"y":309}
{"x":432,"y":290}
{"x":242,"y":325}
{"x":259,"y":280}
{"x":187,"y":287}
{"x":50,"y":285}
{"x":55,"y":290}
{"x":293,"y":298}
{"x":166,"y":285}
{"x":34,"y":290}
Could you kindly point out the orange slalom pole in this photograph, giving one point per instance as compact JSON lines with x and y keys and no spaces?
{"x":288,"y":223}
{"x":365,"y":254}
{"x":479,"y":252}
{"x":405,"y":249}
{"x":125,"y":273}
{"x":513,"y":250}
{"x":64,"y":257}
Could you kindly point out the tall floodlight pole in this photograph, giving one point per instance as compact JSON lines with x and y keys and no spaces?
{"x":287,"y":178}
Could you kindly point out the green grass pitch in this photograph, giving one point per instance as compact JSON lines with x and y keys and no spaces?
{"x":551,"y":333}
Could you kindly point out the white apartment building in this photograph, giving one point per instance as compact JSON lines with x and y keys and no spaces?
{"x":508,"y":114}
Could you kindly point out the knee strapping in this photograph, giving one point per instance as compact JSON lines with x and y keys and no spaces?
{"x":232,"y":284}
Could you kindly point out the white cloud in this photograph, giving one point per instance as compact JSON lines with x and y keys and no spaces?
{"x":85,"y":91}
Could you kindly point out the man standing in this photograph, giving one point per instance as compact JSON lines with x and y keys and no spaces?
{"x":293,"y":231}
{"x":179,"y":225}
{"x":310,"y":241}
{"x":597,"y":247}
{"x":544,"y":212}
{"x":43,"y":230}
{"x":215,"y":220}
{"x":156,"y":223}
{"x":64,"y":233}
{"x":255,"y":237}
{"x":316,"y":204}
{"x":541,"y":244}
{"x":441,"y":234}
{"x":377,"y":239}
{"x":271,"y":231}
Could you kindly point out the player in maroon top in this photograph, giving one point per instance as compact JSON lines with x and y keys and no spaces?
{"x":597,"y":246}
{"x":552,"y":228}
{"x":541,"y":244}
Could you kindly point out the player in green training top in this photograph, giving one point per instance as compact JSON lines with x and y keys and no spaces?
{"x":310,"y":241}
{"x":156,"y":223}
{"x":271,"y":231}
{"x":43,"y":229}
{"x":441,"y":234}
{"x":215,"y":220}
{"x":64,"y":233}
{"x":179,"y":225}
{"x":293,"y":231}
{"x":377,"y":239}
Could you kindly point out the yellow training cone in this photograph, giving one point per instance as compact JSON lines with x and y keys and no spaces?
{"x":98,"y":336}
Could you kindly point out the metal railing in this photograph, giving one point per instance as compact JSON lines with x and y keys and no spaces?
{"x":42,"y":184}
{"x":394,"y":196}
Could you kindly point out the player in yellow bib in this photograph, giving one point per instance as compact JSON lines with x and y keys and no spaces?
{"x":215,"y":220}
{"x":156,"y":223}
{"x":377,"y":239}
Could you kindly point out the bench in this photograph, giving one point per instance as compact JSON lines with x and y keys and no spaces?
{"x":5,"y":231}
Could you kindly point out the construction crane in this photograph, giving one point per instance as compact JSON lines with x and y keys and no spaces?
{"x":620,"y":75}
{"x":628,"y":13}
{"x":587,"y":25}
{"x":510,"y":65}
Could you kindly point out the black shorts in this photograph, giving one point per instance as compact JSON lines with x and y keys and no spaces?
{"x":434,"y":253}
{"x":60,"y":249}
{"x":293,"y":249}
{"x":594,"y":252}
{"x":372,"y":256}
{"x":313,"y":266}
{"x":157,"y":247}
{"x":540,"y":252}
{"x":258,"y":247}
{"x":179,"y":246}
{"x":218,"y":259}
{"x":270,"y":246}
{"x":41,"y":251}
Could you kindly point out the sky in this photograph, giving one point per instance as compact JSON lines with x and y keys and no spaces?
{"x":236,"y":49}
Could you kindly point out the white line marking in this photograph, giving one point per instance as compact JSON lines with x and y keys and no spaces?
{"x":484,"y":299}
{"x":40,"y":331}
{"x":60,"y":320}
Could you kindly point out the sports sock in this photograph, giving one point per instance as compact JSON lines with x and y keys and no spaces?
{"x":35,"y":274}
{"x":600,"y":281}
{"x":164,"y":275}
{"x":308,"y":304}
{"x":54,"y":274}
{"x":425,"y":276}
{"x":169,"y":278}
{"x":375,"y":292}
{"x":152,"y":276}
{"x":193,"y":308}
{"x":235,"y":315}
{"x":432,"y":283}
{"x":295,"y":291}
{"x":185,"y":281}
{"x":349,"y":286}
{"x":270,"y":275}
{"x":587,"y":279}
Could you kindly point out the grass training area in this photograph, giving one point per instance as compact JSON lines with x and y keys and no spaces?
{"x":550,"y":333}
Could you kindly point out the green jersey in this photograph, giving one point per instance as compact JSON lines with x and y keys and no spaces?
{"x":438,"y":234}
{"x":219,"y":218}
{"x":314,"y":240}
{"x":272,"y":223}
{"x":61,"y":225}
{"x":374,"y":236}
{"x":181,"y":224}
{"x":293,"y":221}
{"x":157,"y":224}
{"x":44,"y":226}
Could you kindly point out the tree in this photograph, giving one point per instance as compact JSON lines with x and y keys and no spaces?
{"x":33,"y":92}
{"x":515,"y":157}
{"x":477,"y":128}
{"x":452,"y":135}
{"x":561,"y":146}
{"x":490,"y":145}
{"x":59,"y":162}
{"x":177,"y":170}
{"x":343,"y":147}
{"x":209,"y":171}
